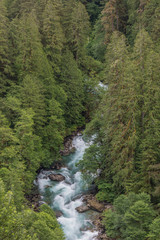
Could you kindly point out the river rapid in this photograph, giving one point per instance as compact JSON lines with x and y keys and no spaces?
{"x":65,"y":196}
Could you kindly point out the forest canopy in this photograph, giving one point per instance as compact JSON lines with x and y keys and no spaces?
{"x":53,"y":55}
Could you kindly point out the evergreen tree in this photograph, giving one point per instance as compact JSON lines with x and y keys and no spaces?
{"x":53,"y":35}
{"x":130,"y":218}
{"x":154,"y":233}
{"x":76,"y":26}
{"x":31,"y":94}
{"x":11,"y":169}
{"x":53,"y":133}
{"x":30,"y":57}
{"x":30,"y":146}
{"x":72,"y":82}
{"x":148,"y":103}
{"x":113,"y":16}
{"x":8,"y":144}
{"x":5,"y":70}
{"x":26,"y":225}
{"x":96,"y":46}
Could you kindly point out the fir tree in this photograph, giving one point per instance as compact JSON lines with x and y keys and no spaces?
{"x":53,"y":35}
{"x":5,"y":70}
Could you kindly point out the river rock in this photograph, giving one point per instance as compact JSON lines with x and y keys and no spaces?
{"x":87,"y":197}
{"x":58,"y":165}
{"x":72,"y":150}
{"x":56,"y":177}
{"x":68,"y":147}
{"x":95,"y":205}
{"x":82,"y":208}
{"x":58,"y":214}
{"x":45,"y":177}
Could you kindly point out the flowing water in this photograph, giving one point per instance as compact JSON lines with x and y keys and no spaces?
{"x":65,"y":196}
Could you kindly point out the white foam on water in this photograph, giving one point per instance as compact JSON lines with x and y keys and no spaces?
{"x":42,"y":182}
{"x":88,"y":235}
{"x":71,"y":221}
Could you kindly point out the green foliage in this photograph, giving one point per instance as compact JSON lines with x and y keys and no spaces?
{"x":71,"y":81}
{"x":127,"y":120}
{"x":93,"y":8}
{"x":76,"y":28}
{"x":91,"y":161}
{"x":30,"y":146}
{"x":8,"y":142}
{"x":53,"y":35}
{"x":46,"y":225}
{"x":5,"y":70}
{"x":53,"y":133}
{"x":131,"y":217}
{"x":31,"y":94}
{"x":96,"y":46}
{"x":154,"y":232}
{"x":26,"y":224}
{"x":105,"y":192}
{"x":48,"y":85}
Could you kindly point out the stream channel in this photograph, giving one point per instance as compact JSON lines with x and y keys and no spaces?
{"x":66,"y":195}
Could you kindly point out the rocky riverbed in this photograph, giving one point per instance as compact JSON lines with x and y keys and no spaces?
{"x":63,"y":189}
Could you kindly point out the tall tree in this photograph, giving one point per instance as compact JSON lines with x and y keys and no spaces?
{"x":53,"y":35}
{"x":31,"y":94}
{"x":76,"y":26}
{"x":5,"y":70}
{"x":30,"y":146}
{"x":148,"y":103}
{"x":113,"y":17}
{"x":72,"y":82}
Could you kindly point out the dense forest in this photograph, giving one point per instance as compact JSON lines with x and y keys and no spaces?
{"x":53,"y":55}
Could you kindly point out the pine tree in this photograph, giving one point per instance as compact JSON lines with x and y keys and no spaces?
{"x":11,"y":169}
{"x":148,"y":104}
{"x":8,"y":144}
{"x":5,"y":70}
{"x":130,"y":217}
{"x":30,"y":57}
{"x":53,"y":133}
{"x":53,"y":36}
{"x":72,"y":82}
{"x":30,"y":146}
{"x":76,"y":26}
{"x":118,"y":108}
{"x":31,"y":94}
{"x":113,"y":16}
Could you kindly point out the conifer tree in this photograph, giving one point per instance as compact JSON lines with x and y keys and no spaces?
{"x":76,"y":26}
{"x":5,"y":70}
{"x":11,"y":169}
{"x":53,"y":133}
{"x":119,"y":102}
{"x":72,"y":82}
{"x":30,"y":146}
{"x":30,"y":57}
{"x":31,"y":94}
{"x":148,"y":104}
{"x":113,"y":16}
{"x":53,"y":35}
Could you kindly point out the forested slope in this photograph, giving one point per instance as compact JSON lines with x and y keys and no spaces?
{"x":52,"y":55}
{"x":44,"y":96}
{"x":126,"y":147}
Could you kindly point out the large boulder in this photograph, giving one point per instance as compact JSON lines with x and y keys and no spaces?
{"x":58,"y":214}
{"x":95,"y":205}
{"x":58,"y":165}
{"x":82,"y":208}
{"x":56,"y":177}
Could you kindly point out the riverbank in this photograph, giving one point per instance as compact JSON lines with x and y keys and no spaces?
{"x":64,"y":175}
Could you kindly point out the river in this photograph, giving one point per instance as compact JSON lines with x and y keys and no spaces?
{"x":65,"y":196}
